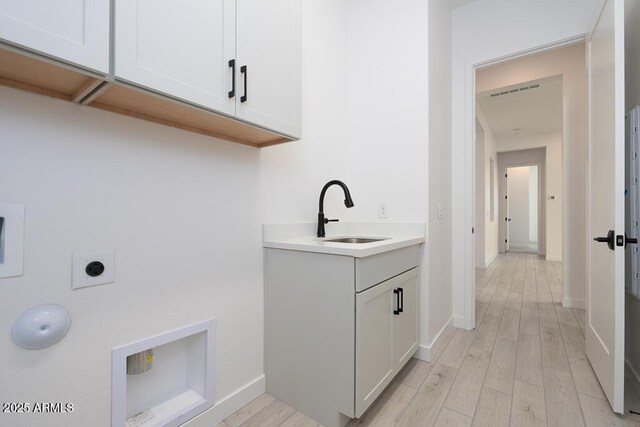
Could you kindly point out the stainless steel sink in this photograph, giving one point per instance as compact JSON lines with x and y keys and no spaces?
{"x":354,"y":240}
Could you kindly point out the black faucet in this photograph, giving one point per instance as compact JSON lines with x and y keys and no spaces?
{"x":347,"y":202}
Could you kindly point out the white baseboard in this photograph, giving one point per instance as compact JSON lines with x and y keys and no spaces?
{"x":428,"y":352}
{"x":488,"y":261}
{"x":523,"y":247}
{"x":458,"y":322}
{"x":422,"y":353}
{"x":230,"y":404}
{"x":574,"y":303}
{"x":553,"y":258}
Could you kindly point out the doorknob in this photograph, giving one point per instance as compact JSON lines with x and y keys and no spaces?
{"x":627,"y":240}
{"x":610,"y":240}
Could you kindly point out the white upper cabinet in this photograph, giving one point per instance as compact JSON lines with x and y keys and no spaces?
{"x":75,"y":31}
{"x":269,"y":49}
{"x":181,"y":48}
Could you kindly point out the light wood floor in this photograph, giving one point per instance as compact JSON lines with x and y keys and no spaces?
{"x":523,"y":365}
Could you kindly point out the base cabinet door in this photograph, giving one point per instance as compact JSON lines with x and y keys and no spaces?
{"x":75,"y":31}
{"x":406,"y":322}
{"x":181,"y":48}
{"x":374,"y":343}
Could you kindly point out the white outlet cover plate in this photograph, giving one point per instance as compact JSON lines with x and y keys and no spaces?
{"x":80,"y":278}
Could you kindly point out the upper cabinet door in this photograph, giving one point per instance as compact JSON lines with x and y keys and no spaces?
{"x":268,"y":46}
{"x":181,"y":48}
{"x":75,"y":31}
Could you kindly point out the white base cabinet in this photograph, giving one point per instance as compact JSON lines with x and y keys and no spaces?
{"x":386,"y":334}
{"x":337,"y":328}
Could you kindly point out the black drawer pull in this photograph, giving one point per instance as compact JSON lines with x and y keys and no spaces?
{"x":397,"y":294}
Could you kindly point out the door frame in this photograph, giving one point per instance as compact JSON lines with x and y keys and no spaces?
{"x":503,"y":165}
{"x":542,"y":211}
{"x":469,"y":320}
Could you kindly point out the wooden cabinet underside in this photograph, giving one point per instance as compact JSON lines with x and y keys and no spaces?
{"x":26,"y":71}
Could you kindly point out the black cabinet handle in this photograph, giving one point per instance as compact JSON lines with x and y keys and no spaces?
{"x":610,"y":240}
{"x":397,"y":294}
{"x":401,"y":306}
{"x":232,"y":64}
{"x":243,"y":70}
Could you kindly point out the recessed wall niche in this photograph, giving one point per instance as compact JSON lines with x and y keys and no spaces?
{"x":176,"y":383}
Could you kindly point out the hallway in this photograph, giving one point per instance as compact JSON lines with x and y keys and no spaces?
{"x":524,"y":365}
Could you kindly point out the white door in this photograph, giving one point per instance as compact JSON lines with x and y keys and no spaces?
{"x":181,"y":48}
{"x":75,"y":31}
{"x":605,"y":288}
{"x":269,"y":57}
{"x":375,"y":309}
{"x":507,"y":218}
{"x":406,"y":321}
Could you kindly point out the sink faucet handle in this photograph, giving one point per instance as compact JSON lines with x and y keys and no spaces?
{"x":327,"y":221}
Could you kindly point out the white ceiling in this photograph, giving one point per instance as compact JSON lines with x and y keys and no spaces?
{"x":520,"y":111}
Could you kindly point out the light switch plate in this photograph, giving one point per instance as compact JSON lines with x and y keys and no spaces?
{"x":80,"y":278}
{"x":12,"y":240}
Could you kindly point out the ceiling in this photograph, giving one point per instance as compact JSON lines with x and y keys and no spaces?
{"x":524,"y":108}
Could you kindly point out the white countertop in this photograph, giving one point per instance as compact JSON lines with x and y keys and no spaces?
{"x":302,"y":237}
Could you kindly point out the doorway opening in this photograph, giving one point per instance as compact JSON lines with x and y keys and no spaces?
{"x":521,"y":209}
{"x":526,"y":135}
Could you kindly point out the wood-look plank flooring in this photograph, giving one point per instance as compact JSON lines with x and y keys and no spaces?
{"x":523,"y":365}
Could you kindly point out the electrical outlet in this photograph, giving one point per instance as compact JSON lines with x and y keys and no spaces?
{"x":92,"y":269}
{"x":382,"y":210}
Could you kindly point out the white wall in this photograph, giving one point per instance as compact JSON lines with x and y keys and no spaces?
{"x":161,"y":198}
{"x":399,"y":128}
{"x":552,"y":141}
{"x":366,"y":122}
{"x":479,"y":35}
{"x":491,"y":226}
{"x":632,"y":98}
{"x":439,"y":179}
{"x":183,"y":213}
{"x":518,"y":193}
{"x":292,"y":175}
